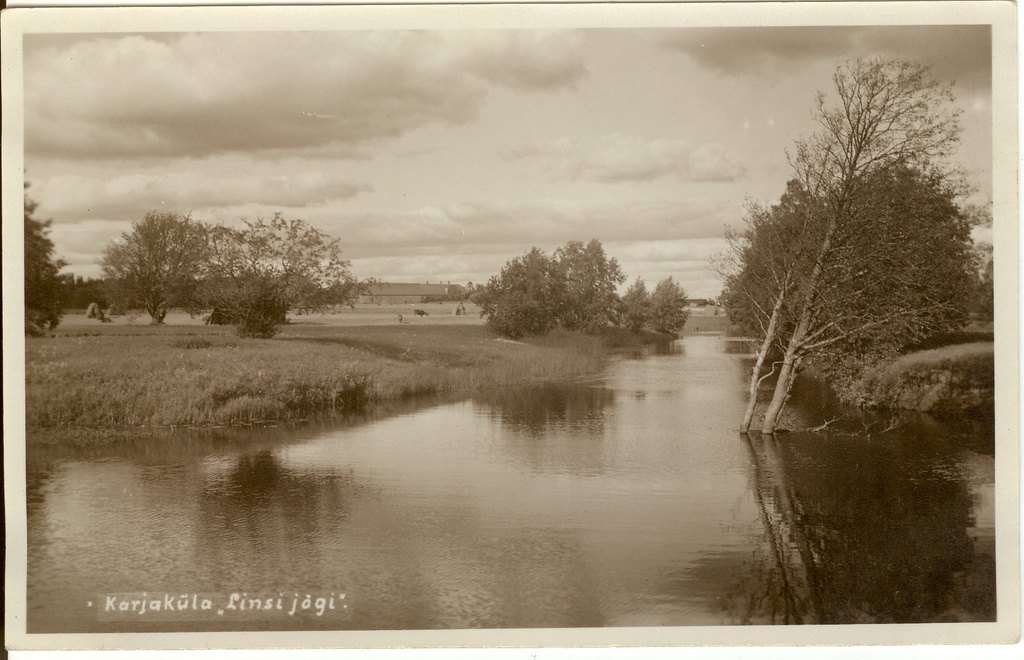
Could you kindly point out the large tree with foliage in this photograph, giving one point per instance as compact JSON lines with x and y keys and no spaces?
{"x":525,"y":298}
{"x":635,"y":310}
{"x":910,"y":273}
{"x":983,"y":308}
{"x":668,"y":307}
{"x":157,"y":265}
{"x":573,"y":289}
{"x":43,"y":291}
{"x":845,"y":286}
{"x":590,"y":283}
{"x":662,"y":310}
{"x":257,"y":274}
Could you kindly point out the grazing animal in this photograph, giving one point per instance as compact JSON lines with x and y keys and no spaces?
{"x":94,"y":312}
{"x":420,"y":312}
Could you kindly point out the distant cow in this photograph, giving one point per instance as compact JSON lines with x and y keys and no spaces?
{"x":419,"y":312}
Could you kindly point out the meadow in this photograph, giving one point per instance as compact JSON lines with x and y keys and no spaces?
{"x":106,"y":377}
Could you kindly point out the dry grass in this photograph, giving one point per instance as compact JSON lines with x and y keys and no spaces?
{"x":195,"y":376}
{"x":946,"y":355}
{"x":949,"y":380}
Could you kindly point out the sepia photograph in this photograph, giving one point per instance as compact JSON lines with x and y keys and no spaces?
{"x":511,"y":325}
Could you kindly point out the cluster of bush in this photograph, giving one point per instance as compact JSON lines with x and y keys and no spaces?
{"x":250,"y":277}
{"x":575,"y":289}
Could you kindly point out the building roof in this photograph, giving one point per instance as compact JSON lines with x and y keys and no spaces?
{"x":405,"y":289}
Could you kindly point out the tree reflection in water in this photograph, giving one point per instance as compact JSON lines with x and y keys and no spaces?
{"x":781,"y":587}
{"x":259,"y":508}
{"x":855,"y":531}
{"x":559,"y":427}
{"x":537,"y":410}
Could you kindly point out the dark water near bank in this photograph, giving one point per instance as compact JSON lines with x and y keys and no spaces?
{"x":629,"y":500}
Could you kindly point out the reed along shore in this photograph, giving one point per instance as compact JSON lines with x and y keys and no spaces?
{"x":115,"y":379}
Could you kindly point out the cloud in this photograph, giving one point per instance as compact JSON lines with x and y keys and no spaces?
{"x":508,"y":230}
{"x":526,"y":59}
{"x":955,"y":52}
{"x":617,"y":158}
{"x":72,"y":197}
{"x":499,"y":229}
{"x":81,"y":244}
{"x":198,"y":94}
{"x":983,"y":235}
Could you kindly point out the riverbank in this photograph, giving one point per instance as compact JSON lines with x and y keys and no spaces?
{"x":139,"y":377}
{"x":950,"y":380}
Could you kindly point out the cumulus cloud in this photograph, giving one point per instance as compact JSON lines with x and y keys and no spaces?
{"x":525,"y":59}
{"x":207,"y":93}
{"x":618,"y":158}
{"x":955,"y":52}
{"x":74,"y":197}
{"x":81,"y":244}
{"x":509,"y":230}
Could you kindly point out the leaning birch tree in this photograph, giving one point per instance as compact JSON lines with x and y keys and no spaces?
{"x":762,"y":269}
{"x":845,"y":284}
{"x":890,"y":114}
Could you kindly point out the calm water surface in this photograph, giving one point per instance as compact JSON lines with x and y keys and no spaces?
{"x":629,"y":500}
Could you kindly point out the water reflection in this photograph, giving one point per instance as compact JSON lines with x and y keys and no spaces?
{"x":535,"y":411}
{"x":629,"y":500}
{"x":660,"y":347}
{"x":738,"y":346}
{"x":863,"y":531}
{"x":557,"y":427}
{"x":782,"y":585}
{"x":259,"y":499}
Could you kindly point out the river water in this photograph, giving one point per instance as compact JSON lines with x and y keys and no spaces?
{"x":627,"y":500}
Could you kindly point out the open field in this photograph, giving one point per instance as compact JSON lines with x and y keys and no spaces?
{"x":700,"y":320}
{"x":109,"y":376}
{"x":361,"y":314}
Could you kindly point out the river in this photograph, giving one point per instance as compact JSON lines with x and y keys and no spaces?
{"x":626,"y":500}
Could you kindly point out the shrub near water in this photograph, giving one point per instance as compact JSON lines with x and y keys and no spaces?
{"x":109,"y":382}
{"x":949,"y":380}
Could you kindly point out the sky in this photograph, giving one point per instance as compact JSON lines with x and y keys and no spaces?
{"x":437,"y":156}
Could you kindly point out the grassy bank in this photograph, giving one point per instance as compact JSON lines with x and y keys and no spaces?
{"x":146,"y":377}
{"x":956,"y":379}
